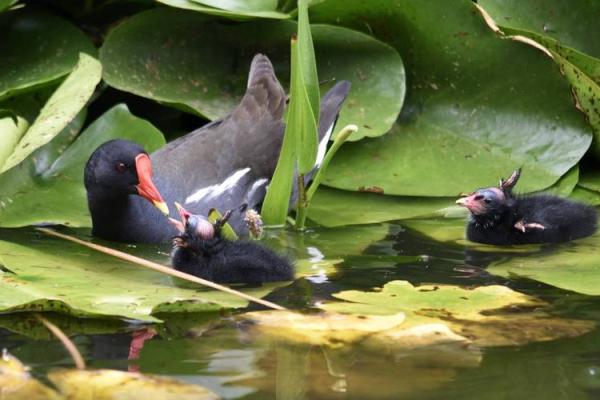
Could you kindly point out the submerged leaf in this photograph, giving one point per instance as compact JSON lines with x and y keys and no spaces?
{"x":108,"y":384}
{"x":474,"y":314}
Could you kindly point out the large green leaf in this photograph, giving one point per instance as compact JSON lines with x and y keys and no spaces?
{"x":237,"y":10}
{"x":472,"y":115}
{"x":62,"y":107}
{"x":50,"y":189}
{"x":46,"y":274}
{"x":564,"y":30}
{"x":573,"y":266}
{"x":172,"y":65}
{"x":571,"y":23}
{"x":13,"y":129}
{"x":37,"y":48}
{"x":334,"y":207}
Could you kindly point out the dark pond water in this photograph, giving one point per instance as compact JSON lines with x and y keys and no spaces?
{"x":215,"y":351}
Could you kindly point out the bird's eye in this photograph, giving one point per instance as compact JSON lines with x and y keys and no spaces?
{"x":121,"y":167}
{"x":488,"y":201}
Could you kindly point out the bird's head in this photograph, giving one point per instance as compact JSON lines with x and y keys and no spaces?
{"x":490,"y":200}
{"x":192,"y":225}
{"x":120,"y":167}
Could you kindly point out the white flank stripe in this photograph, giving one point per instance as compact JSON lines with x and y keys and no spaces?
{"x":212,"y":191}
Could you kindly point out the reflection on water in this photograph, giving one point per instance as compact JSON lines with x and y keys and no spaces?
{"x":225,"y":355}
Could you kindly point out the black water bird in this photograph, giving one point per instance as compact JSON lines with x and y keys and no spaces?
{"x":502,"y":218}
{"x":221,"y":165}
{"x":201,"y":250}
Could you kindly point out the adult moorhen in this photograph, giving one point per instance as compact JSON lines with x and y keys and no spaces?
{"x":201,"y":250}
{"x":222,"y":165}
{"x":499,"y":217}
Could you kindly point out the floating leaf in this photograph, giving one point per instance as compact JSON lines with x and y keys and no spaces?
{"x":108,"y":384}
{"x":67,"y":278}
{"x":571,"y":266}
{"x":62,"y":107}
{"x":37,"y":48}
{"x":460,"y":129}
{"x":469,"y":313}
{"x":48,"y":189}
{"x":212,"y":88}
{"x":326,"y":329}
{"x":13,"y":129}
{"x":17,"y":383}
{"x":333,"y":207}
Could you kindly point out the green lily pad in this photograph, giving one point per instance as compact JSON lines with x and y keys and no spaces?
{"x":571,"y":23}
{"x":237,"y":10}
{"x":573,"y":266}
{"x":333,"y":207}
{"x":469,"y":119}
{"x":7,"y":4}
{"x":45,"y":274}
{"x":62,"y":107}
{"x":17,"y":383}
{"x":590,"y":180}
{"x":171,"y":66}
{"x":473,"y":314}
{"x":587,"y":196}
{"x":49,"y":189}
{"x":13,"y":129}
{"x":562,"y":29}
{"x":37,"y":48}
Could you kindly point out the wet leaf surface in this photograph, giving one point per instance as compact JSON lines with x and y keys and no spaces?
{"x":463,"y":125}
{"x":571,"y":266}
{"x":469,"y":314}
{"x":52,"y":49}
{"x":147,"y":67}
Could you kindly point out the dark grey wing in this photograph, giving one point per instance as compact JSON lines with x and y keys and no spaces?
{"x":250,"y":137}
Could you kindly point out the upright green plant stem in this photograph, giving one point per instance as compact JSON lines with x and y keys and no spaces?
{"x":302,"y":212}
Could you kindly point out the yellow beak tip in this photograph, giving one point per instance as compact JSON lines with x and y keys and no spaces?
{"x":162,"y":206}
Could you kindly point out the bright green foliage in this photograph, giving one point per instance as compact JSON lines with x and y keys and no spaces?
{"x":64,"y":104}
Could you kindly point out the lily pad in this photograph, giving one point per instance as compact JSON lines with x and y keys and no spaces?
{"x":474,"y":314}
{"x":237,"y":10}
{"x":584,"y":195}
{"x":64,"y":277}
{"x":327,"y":329}
{"x":62,"y":107}
{"x":213,"y":86}
{"x":48,"y":189}
{"x":560,"y":33}
{"x":333,"y":207}
{"x":108,"y":384}
{"x":37,"y":48}
{"x":572,"y":266}
{"x":469,"y":119}
{"x":17,"y":383}
{"x":101,"y":384}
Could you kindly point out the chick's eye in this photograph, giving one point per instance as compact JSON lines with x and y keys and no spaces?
{"x":488,"y":201}
{"x":121,"y":167}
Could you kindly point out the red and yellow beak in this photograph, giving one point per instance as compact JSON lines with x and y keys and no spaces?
{"x":146,"y":187}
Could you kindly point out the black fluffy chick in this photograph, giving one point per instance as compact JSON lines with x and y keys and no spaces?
{"x":502,"y":218}
{"x":201,"y":250}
